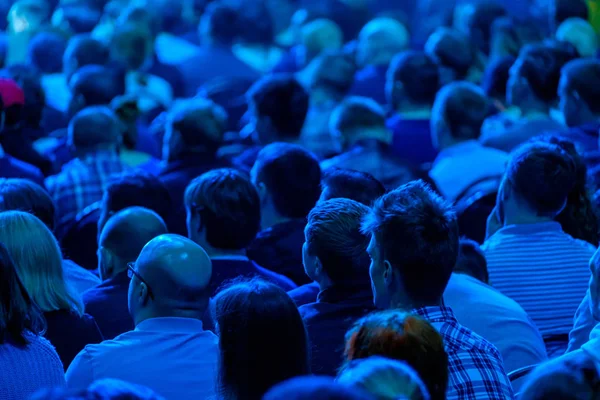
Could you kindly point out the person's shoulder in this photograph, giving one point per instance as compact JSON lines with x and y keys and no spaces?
{"x":461,"y":339}
{"x":17,"y":168}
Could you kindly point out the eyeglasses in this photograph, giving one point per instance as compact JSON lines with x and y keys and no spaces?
{"x":131,"y":272}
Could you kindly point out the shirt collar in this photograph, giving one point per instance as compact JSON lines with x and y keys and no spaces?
{"x":436,"y":314}
{"x":170,"y":324}
{"x":528,"y":229}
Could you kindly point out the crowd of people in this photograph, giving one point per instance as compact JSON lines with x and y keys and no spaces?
{"x":280,"y":200}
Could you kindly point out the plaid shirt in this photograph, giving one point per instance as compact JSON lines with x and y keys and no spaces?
{"x":81,"y":183}
{"x":475,"y":367}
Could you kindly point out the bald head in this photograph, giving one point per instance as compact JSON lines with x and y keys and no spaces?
{"x":322,"y":34}
{"x":380,"y":40}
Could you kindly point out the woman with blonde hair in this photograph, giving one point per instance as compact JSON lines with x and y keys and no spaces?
{"x":38,"y":262}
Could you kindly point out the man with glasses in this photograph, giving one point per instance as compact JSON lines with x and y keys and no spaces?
{"x":168,"y":351}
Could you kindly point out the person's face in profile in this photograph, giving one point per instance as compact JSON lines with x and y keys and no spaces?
{"x":378,"y":272}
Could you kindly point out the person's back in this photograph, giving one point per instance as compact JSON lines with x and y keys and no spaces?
{"x":168,"y":351}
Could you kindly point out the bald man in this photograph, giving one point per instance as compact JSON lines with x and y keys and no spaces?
{"x":121,"y":241}
{"x":168,"y":351}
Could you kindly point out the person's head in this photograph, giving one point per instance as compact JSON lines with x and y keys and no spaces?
{"x":335,"y":249}
{"x":537,"y":183}
{"x":18,"y":312}
{"x":278,"y":106}
{"x":453,"y":53}
{"x":404,"y":337}
{"x":349,"y":184}
{"x":580,"y":34}
{"x":25,"y":195}
{"x":495,"y":78}
{"x":534,"y":77}
{"x":195,"y":126}
{"x":38,"y":260}
{"x":384,"y":379}
{"x":147,"y":18}
{"x":94,"y":85}
{"x":83,"y":50}
{"x":254,"y":357}
{"x":123,"y":238}
{"x":45,"y":52}
{"x":105,"y":389}
{"x":358,"y":119}
{"x":314,"y":388}
{"x":320,"y":35}
{"x":458,"y":114}
{"x":29,"y":80}
{"x":413,"y":248}
{"x":471,"y":261}
{"x":413,"y":80}
{"x":379,"y":41}
{"x":219,"y":25}
{"x":135,"y":188}
{"x":223,"y":210}
{"x":480,"y":23}
{"x":288,"y":180}
{"x":12,"y":102}
{"x":333,"y":73}
{"x":131,"y":46}
{"x":579,"y":92}
{"x":94,"y":128}
{"x":170,"y":278}
{"x":571,"y":377}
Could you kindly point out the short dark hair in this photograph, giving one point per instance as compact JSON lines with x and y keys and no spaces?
{"x":229,"y":207}
{"x":543,"y":175}
{"x":25,"y":195}
{"x":417,"y":232}
{"x":97,"y":85}
{"x":565,"y":9}
{"x":253,"y":358}
{"x":201,"y":124}
{"x":355,"y":113}
{"x":85,"y":50}
{"x":18,"y":313}
{"x":29,"y":79}
{"x":349,"y":184}
{"x":471,"y":260}
{"x":334,"y":71}
{"x":284,"y":101}
{"x":418,"y":74}
{"x":583,"y":77}
{"x":333,"y":235}
{"x":481,"y":21}
{"x":46,"y":50}
{"x":463,"y":107}
{"x":451,"y":49}
{"x":495,"y":78}
{"x":224,"y":22}
{"x":292,"y":176}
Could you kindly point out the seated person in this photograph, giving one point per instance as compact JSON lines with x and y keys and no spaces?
{"x":495,"y":80}
{"x":412,"y":83}
{"x":223,"y":216}
{"x":359,"y":124}
{"x":586,"y":329}
{"x":580,"y":34}
{"x":378,"y":42}
{"x":458,"y":114}
{"x":454,"y":55}
{"x":288,"y":180}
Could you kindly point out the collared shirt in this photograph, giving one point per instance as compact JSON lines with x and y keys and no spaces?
{"x":82,"y":182}
{"x":459,"y":167}
{"x":79,"y":278}
{"x":498,"y":319}
{"x":543,"y":269}
{"x":475,"y":366}
{"x":175,"y":357}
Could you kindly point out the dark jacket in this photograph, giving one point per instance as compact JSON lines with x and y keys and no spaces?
{"x":279,"y":249}
{"x":79,"y":239}
{"x":328,"y":320}
{"x":19,"y":144}
{"x":107,"y":303}
{"x":412,"y":140}
{"x":226,"y":269}
{"x":370,"y":82}
{"x":305,"y":294}
{"x":69,"y":333}
{"x":10,"y":167}
{"x":169,"y":73}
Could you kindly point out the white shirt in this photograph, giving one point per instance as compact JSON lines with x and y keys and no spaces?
{"x":458,"y":167}
{"x":498,"y":319}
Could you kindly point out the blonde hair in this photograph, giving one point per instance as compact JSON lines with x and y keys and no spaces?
{"x":38,"y":261}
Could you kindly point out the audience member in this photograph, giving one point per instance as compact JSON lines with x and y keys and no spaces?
{"x":223,"y":216}
{"x":288,"y":180}
{"x":24,"y":195}
{"x":335,"y":257}
{"x":378,"y":42}
{"x":254,"y":359}
{"x":45,"y":52}
{"x":495,"y":80}
{"x":95,"y":138}
{"x":313,"y":388}
{"x":534,"y":191}
{"x":384,"y":379}
{"x":122,"y":238}
{"x":458,"y":114}
{"x":453,"y":53}
{"x":168,"y":296}
{"x":490,"y":314}
{"x":340,"y":183}
{"x":413,"y":250}
{"x":68,"y":328}
{"x":404,"y":337}
{"x":412,"y":82}
{"x":29,"y":362}
{"x":105,"y":389}
{"x":580,"y":34}
{"x":359,"y":124}
{"x":277,"y":106}
{"x":94,"y":85}
{"x":480,"y":22}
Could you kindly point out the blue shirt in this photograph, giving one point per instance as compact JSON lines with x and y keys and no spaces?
{"x":175,"y":357}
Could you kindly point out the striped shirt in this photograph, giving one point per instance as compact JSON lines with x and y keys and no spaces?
{"x":543,"y":269}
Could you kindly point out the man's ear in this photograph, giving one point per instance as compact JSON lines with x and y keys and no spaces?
{"x":263,"y":193}
{"x":388,"y":273}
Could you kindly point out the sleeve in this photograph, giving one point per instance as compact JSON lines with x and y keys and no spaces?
{"x":80,"y":373}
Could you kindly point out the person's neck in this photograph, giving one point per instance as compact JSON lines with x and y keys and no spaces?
{"x":408,"y":304}
{"x":534,"y":109}
{"x":270,"y":218}
{"x":414,"y":111}
{"x":320,"y":96}
{"x":214,"y":253}
{"x":524,"y":219}
{"x":151,"y":314}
